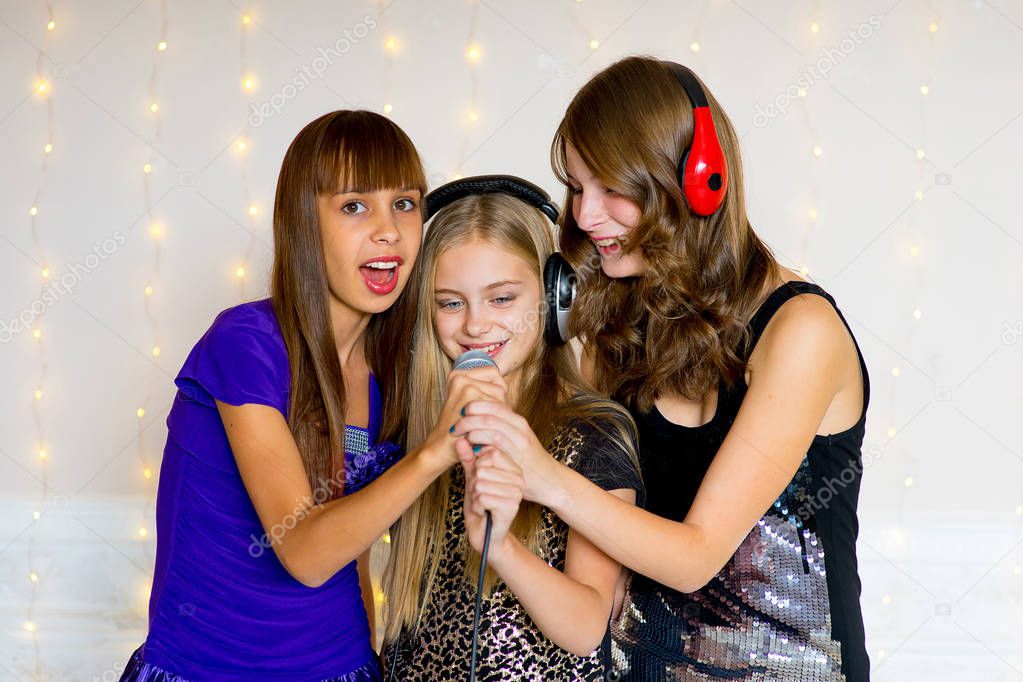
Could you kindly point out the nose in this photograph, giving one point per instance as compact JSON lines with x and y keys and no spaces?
{"x":589,"y":211}
{"x":386,"y":230}
{"x":476,"y":321}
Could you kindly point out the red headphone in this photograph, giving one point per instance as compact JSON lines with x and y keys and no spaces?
{"x":702,"y":171}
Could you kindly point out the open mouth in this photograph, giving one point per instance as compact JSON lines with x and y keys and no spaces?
{"x":491,"y":349}
{"x":608,"y":247}
{"x":381,"y":274}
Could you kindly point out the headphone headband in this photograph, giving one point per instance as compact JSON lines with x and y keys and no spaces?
{"x":490,"y":184}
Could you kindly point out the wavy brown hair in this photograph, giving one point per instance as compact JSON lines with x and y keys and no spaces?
{"x":553,"y":395}
{"x":680,"y":328}
{"x":342,"y":150}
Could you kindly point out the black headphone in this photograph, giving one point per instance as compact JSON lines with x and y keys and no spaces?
{"x":702,"y":171}
{"x":559,"y":279}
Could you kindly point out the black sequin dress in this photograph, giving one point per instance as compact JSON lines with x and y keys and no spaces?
{"x":786,"y":605}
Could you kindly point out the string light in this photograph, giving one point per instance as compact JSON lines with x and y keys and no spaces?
{"x":473,"y":117}
{"x":46,"y":273}
{"x":42,"y":87}
{"x":812,"y":214}
{"x":253,"y":209}
{"x":924,"y":90}
{"x":33,"y":211}
{"x":37,"y":333}
{"x":921,"y":153}
{"x":896,"y":371}
{"x":156,"y":351}
{"x":388,"y":108}
{"x":39,"y":394}
{"x":51,"y":25}
{"x":814,"y":27}
{"x":30,"y":626}
{"x":34,"y":577}
{"x":391,"y":44}
{"x":162,"y":46}
{"x":246,"y":19}
{"x":917,"y":314}
{"x":817,"y":151}
{"x":140,"y":413}
{"x":48,"y":148}
{"x":147,"y":169}
{"x":249,"y":83}
{"x":154,"y":107}
{"x":694,"y":46}
{"x":242,"y":145}
{"x":147,"y":473}
{"x":933,"y":27}
{"x":594,"y":44}
{"x":891,"y":432}
{"x":914,"y":250}
{"x":148,"y":291}
{"x":473,"y":53}
{"x":42,"y":453}
{"x":143,"y":532}
{"x":909,"y":481}
{"x":239,"y":272}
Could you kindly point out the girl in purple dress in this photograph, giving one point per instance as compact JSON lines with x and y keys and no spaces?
{"x":262,"y":525}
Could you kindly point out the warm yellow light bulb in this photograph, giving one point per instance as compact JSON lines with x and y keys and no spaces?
{"x":917,"y":314}
{"x":919,"y":195}
{"x":909,"y":481}
{"x":815,"y":27}
{"x":34,"y":210}
{"x":242,"y":145}
{"x":30,"y":626}
{"x":896,"y":371}
{"x":42,"y":87}
{"x":803,"y":270}
{"x":36,"y":515}
{"x":817,"y":151}
{"x":33,"y":577}
{"x":594,"y":44}
{"x":42,"y":453}
{"x":148,"y":291}
{"x":253,"y":209}
{"x":39,"y":394}
{"x":933,"y":27}
{"x":156,"y":351}
{"x":246,"y":19}
{"x":140,"y":413}
{"x":155,"y":230}
{"x":48,"y":148}
{"x":812,"y":214}
{"x":52,"y":25}
{"x":887,"y":599}
{"x":914,"y":250}
{"x":391,"y":44}
{"x":46,"y":273}
{"x":147,"y":169}
{"x":37,"y":333}
{"x":892,"y":431}
{"x":154,"y":107}
{"x":388,"y":108}
{"x":694,"y":46}
{"x":801,"y":92}
{"x":147,"y":472}
{"x":921,"y":153}
{"x":473,"y":117}
{"x":473,"y":53}
{"x":249,"y":83}
{"x":239,"y":272}
{"x":162,"y":45}
{"x":924,"y":89}
{"x":143,"y":532}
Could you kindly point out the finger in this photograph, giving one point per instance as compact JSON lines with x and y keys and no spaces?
{"x":465,"y":454}
{"x":492,"y":474}
{"x":495,"y":458}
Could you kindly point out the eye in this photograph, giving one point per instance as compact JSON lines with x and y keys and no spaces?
{"x":405,"y":205}
{"x":449,"y":306}
{"x":353,"y":208}
{"x":504,"y":300}
{"x":610,"y":191}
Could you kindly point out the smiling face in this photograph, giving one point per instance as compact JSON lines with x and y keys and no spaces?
{"x":605,"y":216}
{"x":370,"y":243}
{"x":487,"y":298}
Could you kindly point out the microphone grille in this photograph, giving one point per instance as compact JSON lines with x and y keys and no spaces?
{"x":473,"y":359}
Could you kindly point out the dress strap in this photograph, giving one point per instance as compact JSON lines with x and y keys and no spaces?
{"x":779,"y":296}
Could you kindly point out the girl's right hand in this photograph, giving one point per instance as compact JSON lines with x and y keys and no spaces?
{"x":464,"y":386}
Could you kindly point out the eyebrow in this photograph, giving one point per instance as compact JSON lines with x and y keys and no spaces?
{"x":360,"y":190}
{"x":495,"y":285}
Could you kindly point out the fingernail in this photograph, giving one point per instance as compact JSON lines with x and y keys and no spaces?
{"x":452,"y":429}
{"x":463,"y":411}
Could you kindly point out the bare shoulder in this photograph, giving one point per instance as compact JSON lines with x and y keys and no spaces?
{"x":806,"y":328}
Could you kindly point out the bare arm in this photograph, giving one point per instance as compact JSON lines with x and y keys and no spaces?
{"x":314,"y":541}
{"x":368,"y":597}
{"x":787,"y":399}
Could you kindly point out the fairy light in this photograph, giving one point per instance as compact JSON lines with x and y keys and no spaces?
{"x":892,"y":431}
{"x":914,"y":250}
{"x":896,"y":371}
{"x":148,"y":291}
{"x":594,"y":44}
{"x":473,"y":117}
{"x":908,"y":482}
{"x":815,"y":27}
{"x":42,"y":87}
{"x":154,"y":107}
{"x":143,"y":532}
{"x":162,"y":46}
{"x":42,"y":453}
{"x":924,"y":90}
{"x":37,"y":333}
{"x":156,"y":351}
{"x":242,"y":145}
{"x":33,"y":211}
{"x":391,"y":44}
{"x":38,"y":394}
{"x":155,"y":230}
{"x":34,"y":577}
{"x":886,"y":600}
{"x":921,"y":153}
{"x":812,"y":214}
{"x":147,"y":473}
{"x":51,"y":25}
{"x":388,"y":108}
{"x":246,"y":20}
{"x":46,"y":273}
{"x":147,"y":169}
{"x":473,"y":53}
{"x":30,"y":626}
{"x":917,"y":314}
{"x":817,"y":151}
{"x":239,"y":272}
{"x":694,"y":46}
{"x":48,"y":148}
{"x":140,"y":413}
{"x":253,"y":209}
{"x":249,"y":83}
{"x":933,"y":27}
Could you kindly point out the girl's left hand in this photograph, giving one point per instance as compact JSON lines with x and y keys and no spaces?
{"x":493,"y":481}
{"x":495,"y":424}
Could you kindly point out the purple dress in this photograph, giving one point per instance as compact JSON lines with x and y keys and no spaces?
{"x":222,"y":606}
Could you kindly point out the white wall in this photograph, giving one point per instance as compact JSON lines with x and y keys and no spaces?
{"x":942,"y":501}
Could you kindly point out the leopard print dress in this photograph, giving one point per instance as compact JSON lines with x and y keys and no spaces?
{"x":511,"y":646}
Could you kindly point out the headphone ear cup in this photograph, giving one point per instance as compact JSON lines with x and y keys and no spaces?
{"x":704,"y":177}
{"x":559,"y":294}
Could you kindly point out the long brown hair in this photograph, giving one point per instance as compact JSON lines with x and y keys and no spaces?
{"x":350,"y":149}
{"x":680,"y":328}
{"x":552,"y":395}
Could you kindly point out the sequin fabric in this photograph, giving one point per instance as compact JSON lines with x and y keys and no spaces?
{"x":764,"y":617}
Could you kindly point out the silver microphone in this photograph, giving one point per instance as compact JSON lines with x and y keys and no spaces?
{"x":473,"y":359}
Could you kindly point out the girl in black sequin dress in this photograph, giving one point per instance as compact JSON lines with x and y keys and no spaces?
{"x":549,"y":591}
{"x":745,"y":381}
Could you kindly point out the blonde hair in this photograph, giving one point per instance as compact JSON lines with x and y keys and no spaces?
{"x":549,"y":377}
